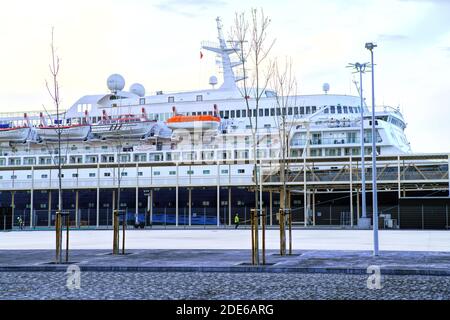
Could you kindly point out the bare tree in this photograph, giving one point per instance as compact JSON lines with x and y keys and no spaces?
{"x":252,"y":46}
{"x":284,"y":84}
{"x":53,"y":90}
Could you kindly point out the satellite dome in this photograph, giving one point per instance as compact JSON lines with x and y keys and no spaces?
{"x":213,"y":80}
{"x":138,"y":89}
{"x":115,"y":82}
{"x":326,"y":87}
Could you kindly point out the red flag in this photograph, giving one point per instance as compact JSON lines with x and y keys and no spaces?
{"x":201,"y":55}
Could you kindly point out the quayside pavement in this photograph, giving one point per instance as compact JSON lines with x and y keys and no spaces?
{"x":315,"y":251}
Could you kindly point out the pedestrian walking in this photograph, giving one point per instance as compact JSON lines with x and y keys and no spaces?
{"x":20,"y":222}
{"x":236,"y":221}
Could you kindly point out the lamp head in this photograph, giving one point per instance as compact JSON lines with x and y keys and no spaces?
{"x":370,"y":46}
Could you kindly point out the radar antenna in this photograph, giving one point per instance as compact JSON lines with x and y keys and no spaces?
{"x":229,"y":78}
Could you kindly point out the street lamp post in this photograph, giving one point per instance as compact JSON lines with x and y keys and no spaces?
{"x":370,"y":46}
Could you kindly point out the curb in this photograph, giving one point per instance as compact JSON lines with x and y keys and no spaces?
{"x":230,"y":269}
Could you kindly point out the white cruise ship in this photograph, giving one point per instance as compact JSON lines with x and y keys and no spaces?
{"x":130,"y":127}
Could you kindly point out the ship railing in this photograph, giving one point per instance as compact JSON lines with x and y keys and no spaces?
{"x":383,"y":108}
{"x":31,"y":114}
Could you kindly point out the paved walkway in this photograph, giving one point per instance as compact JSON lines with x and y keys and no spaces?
{"x":303,"y":261}
{"x":217,"y":239}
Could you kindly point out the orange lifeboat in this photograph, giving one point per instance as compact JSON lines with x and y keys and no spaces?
{"x":200,"y":122}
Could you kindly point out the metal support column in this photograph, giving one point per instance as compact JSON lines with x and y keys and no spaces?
{"x":190,"y":206}
{"x":151,"y":207}
{"x":351,"y":193}
{"x":49,"y":208}
{"x":77,"y":216}
{"x":136,"y":211}
{"x":149,"y":201}
{"x":229,"y":206}
{"x":399,"y":187}
{"x":13,"y":206}
{"x":448,"y":174}
{"x":176,"y":197}
{"x":305,"y":207}
{"x":98,"y":197}
{"x":218,"y":196}
{"x":98,"y":208}
{"x":314,"y":206}
{"x":270,"y":207}
{"x":357,"y":205}
{"x":32,"y":199}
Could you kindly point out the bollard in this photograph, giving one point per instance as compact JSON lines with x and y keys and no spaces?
{"x":116,"y":232}
{"x":124,"y":223}
{"x":290,"y":231}
{"x":252,"y":222}
{"x":67,"y":236}
{"x":58,"y":236}
{"x":116,"y":227}
{"x":264,"y":237}
{"x":254,"y":219}
{"x":282,"y":223}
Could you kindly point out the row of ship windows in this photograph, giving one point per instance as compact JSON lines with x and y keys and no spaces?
{"x":335,"y":152}
{"x":125,"y":174}
{"x":262,"y":112}
{"x":342,"y":109}
{"x":92,"y":205}
{"x":266,"y":112}
{"x":126,"y":158}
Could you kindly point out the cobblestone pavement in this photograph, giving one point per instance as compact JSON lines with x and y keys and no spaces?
{"x":217,"y":286}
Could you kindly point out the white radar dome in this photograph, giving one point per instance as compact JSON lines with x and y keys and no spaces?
{"x":213,"y":80}
{"x":138,"y":89}
{"x":115,"y":82}
{"x":326,"y":87}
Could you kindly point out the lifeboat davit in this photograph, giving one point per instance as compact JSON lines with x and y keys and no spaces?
{"x":11,"y":133}
{"x":68,"y":132}
{"x":200,"y":122}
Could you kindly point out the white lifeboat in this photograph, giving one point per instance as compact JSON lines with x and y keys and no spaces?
{"x":11,"y":133}
{"x":68,"y":132}
{"x":126,"y":126}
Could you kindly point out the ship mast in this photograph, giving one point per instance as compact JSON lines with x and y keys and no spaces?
{"x":229,"y":78}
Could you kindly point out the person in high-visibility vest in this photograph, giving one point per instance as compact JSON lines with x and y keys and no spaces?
{"x":236,"y":221}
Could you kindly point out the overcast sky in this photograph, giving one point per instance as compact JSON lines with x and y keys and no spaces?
{"x":157,"y":43}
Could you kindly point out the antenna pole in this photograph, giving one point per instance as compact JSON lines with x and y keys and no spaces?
{"x":363,"y":169}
